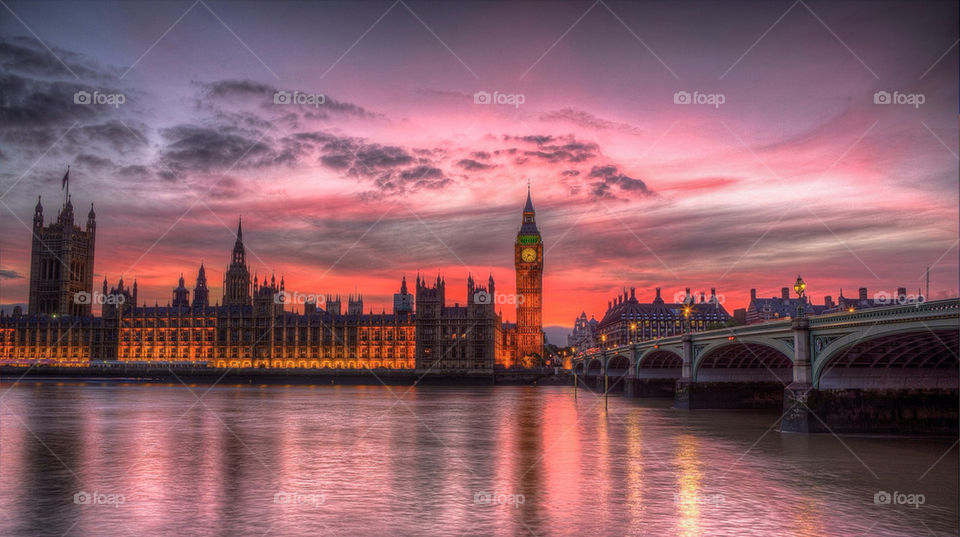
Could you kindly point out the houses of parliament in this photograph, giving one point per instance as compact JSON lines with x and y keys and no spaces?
{"x":251,"y":326}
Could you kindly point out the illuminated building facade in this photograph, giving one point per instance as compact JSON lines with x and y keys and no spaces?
{"x":628,"y":320}
{"x":528,"y":263}
{"x":252,"y":327}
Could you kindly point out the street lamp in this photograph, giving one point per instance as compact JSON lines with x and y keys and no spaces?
{"x":800,"y":287}
{"x":633,"y":332}
{"x":687,"y":310}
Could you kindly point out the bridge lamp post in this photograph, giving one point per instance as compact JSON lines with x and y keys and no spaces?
{"x":687,"y":310}
{"x":633,"y":332}
{"x":800,"y":288}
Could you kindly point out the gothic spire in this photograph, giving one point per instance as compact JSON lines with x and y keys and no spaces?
{"x":528,"y":208}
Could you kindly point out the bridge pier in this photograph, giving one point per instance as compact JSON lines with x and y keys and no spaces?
{"x":796,"y":412}
{"x":807,"y":408}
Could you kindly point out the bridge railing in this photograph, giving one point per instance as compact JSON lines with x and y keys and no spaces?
{"x":908,"y":310}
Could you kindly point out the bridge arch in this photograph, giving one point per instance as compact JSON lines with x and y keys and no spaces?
{"x":618,"y":365}
{"x":660,"y":362}
{"x":894,"y":356}
{"x":594,"y":367}
{"x":579,"y":367}
{"x":745,"y":360}
{"x":660,"y":357}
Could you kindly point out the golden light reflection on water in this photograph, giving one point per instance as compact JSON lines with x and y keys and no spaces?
{"x":688,"y":486}
{"x":635,"y":460}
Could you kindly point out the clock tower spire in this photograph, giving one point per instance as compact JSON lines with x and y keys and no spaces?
{"x":528,"y":262}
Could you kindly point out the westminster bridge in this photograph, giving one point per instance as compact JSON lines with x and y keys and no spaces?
{"x":885,"y":369}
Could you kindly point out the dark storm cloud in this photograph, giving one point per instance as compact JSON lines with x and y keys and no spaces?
{"x":610,"y":178}
{"x":393,"y":170}
{"x":377,"y":156}
{"x":554,"y":149}
{"x":10,"y":274}
{"x":472,"y":165}
{"x":28,"y":56}
{"x":221,"y":89}
{"x":204,"y":149}
{"x":250,"y":89}
{"x":36,"y":104}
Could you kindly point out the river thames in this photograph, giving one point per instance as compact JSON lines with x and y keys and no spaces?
{"x":86,"y":459}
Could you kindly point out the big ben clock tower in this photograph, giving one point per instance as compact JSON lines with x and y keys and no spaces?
{"x":528,"y":261}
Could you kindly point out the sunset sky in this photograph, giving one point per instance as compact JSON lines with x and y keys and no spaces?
{"x":400,"y":171}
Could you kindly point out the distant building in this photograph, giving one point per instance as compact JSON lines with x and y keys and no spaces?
{"x":61,"y":264}
{"x":201,"y":295}
{"x":584,"y":335}
{"x":236,"y":281}
{"x":403,"y":301}
{"x":863,"y":301}
{"x":628,"y":320}
{"x":762,"y":310}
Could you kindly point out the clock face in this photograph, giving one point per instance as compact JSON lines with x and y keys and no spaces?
{"x":528,"y":255}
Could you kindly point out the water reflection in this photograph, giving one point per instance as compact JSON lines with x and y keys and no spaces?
{"x":317,"y":460}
